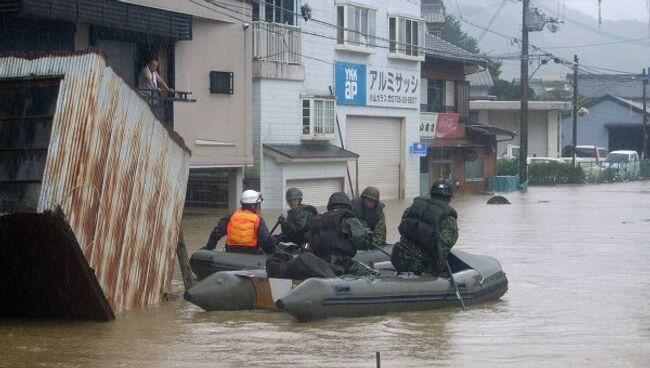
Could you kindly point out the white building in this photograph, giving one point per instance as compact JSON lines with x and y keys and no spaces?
{"x":544,"y":123}
{"x":307,"y":75}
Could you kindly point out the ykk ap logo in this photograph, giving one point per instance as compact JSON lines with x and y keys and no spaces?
{"x":351,"y":85}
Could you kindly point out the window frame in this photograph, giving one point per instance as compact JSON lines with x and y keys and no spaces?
{"x":400,"y":43}
{"x":314,"y":116}
{"x":345,"y":33}
{"x":474,"y":178}
{"x":278,"y":13}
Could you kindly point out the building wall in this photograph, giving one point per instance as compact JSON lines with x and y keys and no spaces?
{"x":591,"y":128}
{"x":280,"y":100}
{"x":223,"y":119}
{"x":538,"y":130}
{"x":458,"y":170}
{"x":443,"y":70}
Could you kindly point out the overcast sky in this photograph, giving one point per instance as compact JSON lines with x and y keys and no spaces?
{"x":611,"y":9}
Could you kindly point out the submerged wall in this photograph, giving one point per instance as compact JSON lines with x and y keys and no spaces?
{"x":118,"y":174}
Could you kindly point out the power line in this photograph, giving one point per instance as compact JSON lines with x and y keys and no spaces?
{"x":596,"y":30}
{"x":598,"y":44}
{"x":491,"y":22}
{"x":421,"y":49}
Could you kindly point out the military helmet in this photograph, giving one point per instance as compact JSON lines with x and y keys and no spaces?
{"x":442,"y":187}
{"x":293,"y":193}
{"x":338,"y":199}
{"x":371,"y":193}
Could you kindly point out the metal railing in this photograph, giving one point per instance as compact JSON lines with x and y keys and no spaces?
{"x":161,"y":103}
{"x":276,"y":42}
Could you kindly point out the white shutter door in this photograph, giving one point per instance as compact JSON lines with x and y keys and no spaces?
{"x":317,"y":191}
{"x":378,"y":143}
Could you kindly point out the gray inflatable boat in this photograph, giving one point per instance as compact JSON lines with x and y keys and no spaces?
{"x":480,"y":278}
{"x":206,"y":262}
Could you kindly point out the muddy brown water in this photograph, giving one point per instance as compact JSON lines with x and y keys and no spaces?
{"x":578,"y":261}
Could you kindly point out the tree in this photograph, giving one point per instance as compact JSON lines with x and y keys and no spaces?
{"x":505,"y":90}
{"x":453,"y":34}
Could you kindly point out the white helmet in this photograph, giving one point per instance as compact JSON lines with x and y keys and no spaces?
{"x":251,"y":197}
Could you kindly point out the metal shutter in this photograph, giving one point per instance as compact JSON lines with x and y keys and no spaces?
{"x":317,"y":191}
{"x":379,"y":145}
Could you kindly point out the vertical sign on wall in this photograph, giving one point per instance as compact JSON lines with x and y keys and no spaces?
{"x":350,"y":83}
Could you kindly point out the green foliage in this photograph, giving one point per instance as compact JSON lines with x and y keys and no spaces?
{"x":505,"y":90}
{"x":552,"y":173}
{"x":645,"y":169}
{"x":453,"y":34}
{"x":509,"y":167}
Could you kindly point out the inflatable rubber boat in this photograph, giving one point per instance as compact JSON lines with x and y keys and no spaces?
{"x":480,"y":278}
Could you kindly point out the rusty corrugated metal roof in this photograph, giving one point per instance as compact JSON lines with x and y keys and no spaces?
{"x":118,"y":173}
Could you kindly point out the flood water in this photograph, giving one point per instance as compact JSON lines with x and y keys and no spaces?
{"x":578,"y":262}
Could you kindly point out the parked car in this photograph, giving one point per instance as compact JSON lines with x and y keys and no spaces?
{"x":511,"y":152}
{"x":623,"y":164}
{"x":585,"y":154}
{"x":542,"y":160}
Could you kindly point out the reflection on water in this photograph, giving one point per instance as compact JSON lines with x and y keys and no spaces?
{"x":577,"y":261}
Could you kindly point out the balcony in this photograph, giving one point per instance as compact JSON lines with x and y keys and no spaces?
{"x":162,"y":103}
{"x":279,"y":43}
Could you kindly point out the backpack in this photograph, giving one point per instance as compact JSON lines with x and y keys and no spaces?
{"x":285,"y":266}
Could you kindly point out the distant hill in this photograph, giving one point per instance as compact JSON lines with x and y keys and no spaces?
{"x":579,"y":29}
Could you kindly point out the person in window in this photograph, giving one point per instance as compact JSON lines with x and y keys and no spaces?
{"x":295,"y":227}
{"x":370,"y":211}
{"x":428,"y":231}
{"x":245,"y":229}
{"x":150,"y":79}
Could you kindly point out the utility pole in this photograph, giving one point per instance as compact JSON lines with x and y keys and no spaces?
{"x":574,"y":141}
{"x":645,"y":115}
{"x":523,"y":118}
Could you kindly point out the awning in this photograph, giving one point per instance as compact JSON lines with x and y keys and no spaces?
{"x":453,"y":143}
{"x":308,"y":152}
{"x":490,"y":130}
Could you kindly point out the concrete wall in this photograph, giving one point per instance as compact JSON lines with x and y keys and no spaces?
{"x":224,"y":120}
{"x":591,"y":128}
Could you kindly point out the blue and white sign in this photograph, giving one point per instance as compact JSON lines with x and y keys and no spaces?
{"x":419,"y":149}
{"x":368,"y":85}
{"x":389,"y":87}
{"x":350,"y":83}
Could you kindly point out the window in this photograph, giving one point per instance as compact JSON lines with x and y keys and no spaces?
{"x":318,"y":118}
{"x":275,"y":11}
{"x":474,"y":170}
{"x":356,"y":25}
{"x":441,"y":96}
{"x":406,"y":37}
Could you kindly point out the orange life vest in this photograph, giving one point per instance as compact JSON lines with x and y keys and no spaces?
{"x":242,"y":228}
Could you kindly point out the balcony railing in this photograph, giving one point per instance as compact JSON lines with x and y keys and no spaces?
{"x":161,"y":103}
{"x":276,"y":42}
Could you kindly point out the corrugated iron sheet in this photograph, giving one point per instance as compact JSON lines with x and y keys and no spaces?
{"x":119,"y":175}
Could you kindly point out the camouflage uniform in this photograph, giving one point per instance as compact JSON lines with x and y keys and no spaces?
{"x":412,"y":256}
{"x":374,"y":220}
{"x":336,"y":234}
{"x":295,"y":228}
